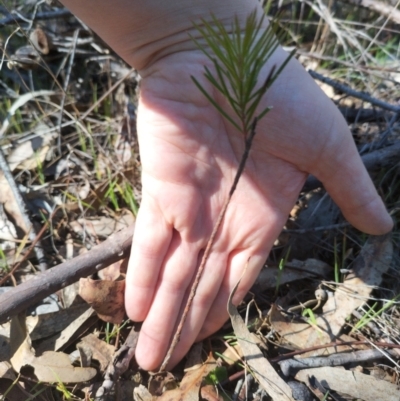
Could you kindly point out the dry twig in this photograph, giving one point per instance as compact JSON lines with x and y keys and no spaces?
{"x":207,"y":251}
{"x":114,"y":248}
{"x":14,"y":18}
{"x":289,"y":355}
{"x":32,"y":235}
{"x":352,"y":92}
{"x":65,"y":86}
{"x":120,"y":363}
{"x":290,"y":366}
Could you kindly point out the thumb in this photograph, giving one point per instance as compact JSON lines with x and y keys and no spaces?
{"x":344,"y":176}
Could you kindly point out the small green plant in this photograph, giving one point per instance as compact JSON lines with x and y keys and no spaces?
{"x":312,"y":320}
{"x":67,"y":395}
{"x":372,"y":314}
{"x":4,"y":268}
{"x":216,"y":376}
{"x":336,"y":264}
{"x":110,"y":193}
{"x":39,"y":169}
{"x":127,"y":194}
{"x":113,"y":330}
{"x":82,"y":139}
{"x":281,"y":266}
{"x":238,"y":57}
{"x":74,"y":198}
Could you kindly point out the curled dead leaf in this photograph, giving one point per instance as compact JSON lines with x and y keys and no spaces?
{"x":40,"y":40}
{"x":105,"y":297}
{"x":114,"y":271}
{"x":98,"y":349}
{"x":191,"y":384}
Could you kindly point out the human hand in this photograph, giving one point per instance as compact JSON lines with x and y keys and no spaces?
{"x":190,"y":155}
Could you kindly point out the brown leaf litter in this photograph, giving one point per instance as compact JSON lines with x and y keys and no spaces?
{"x":50,"y":366}
{"x":373,"y":261}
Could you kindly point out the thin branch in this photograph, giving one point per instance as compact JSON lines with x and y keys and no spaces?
{"x":114,"y":248}
{"x":289,"y":355}
{"x":119,"y":363}
{"x":210,"y":243}
{"x":290,"y":366}
{"x":29,"y":227}
{"x":363,"y":68}
{"x":29,"y":250}
{"x":351,"y":92}
{"x":65,"y":87}
{"x":15,"y":18}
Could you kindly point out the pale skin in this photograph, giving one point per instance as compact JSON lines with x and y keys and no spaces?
{"x":189,"y":157}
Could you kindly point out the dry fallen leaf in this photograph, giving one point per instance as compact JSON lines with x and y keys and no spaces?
{"x":141,"y":393}
{"x":103,"y":226}
{"x":114,"y":271}
{"x":10,"y":204}
{"x":6,"y":371}
{"x":48,"y":324}
{"x":15,"y":392}
{"x":260,"y":367}
{"x":105,"y":297}
{"x":8,"y":233}
{"x":269,"y":277}
{"x":208,"y":393}
{"x":367,"y":270}
{"x":31,"y":153}
{"x":355,"y":384}
{"x":50,"y":366}
{"x":190,"y":386}
{"x":100,"y":350}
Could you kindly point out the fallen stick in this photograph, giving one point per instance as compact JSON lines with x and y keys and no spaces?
{"x":119,"y":364}
{"x":29,"y":228}
{"x":290,"y":366}
{"x":114,"y":248}
{"x":241,"y":373}
{"x":16,"y":18}
{"x":352,"y":92}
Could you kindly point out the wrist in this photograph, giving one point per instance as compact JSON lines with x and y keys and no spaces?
{"x":143,"y":32}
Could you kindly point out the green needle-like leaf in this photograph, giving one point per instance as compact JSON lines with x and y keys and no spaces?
{"x":238,"y":55}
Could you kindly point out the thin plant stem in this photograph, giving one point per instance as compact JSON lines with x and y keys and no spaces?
{"x":210,"y":243}
{"x":38,"y":249}
{"x":65,"y":87}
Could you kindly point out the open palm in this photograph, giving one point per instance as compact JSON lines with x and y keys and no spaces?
{"x":190,"y":155}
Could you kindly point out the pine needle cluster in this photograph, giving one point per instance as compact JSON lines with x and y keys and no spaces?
{"x":238,"y":56}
